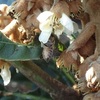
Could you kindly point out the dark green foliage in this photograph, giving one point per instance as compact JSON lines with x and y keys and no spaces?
{"x":16,"y":52}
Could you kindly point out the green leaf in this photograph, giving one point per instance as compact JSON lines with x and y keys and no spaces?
{"x":11,"y":51}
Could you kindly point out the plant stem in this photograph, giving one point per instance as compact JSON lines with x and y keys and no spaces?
{"x":68,"y":76}
{"x":56,"y":89}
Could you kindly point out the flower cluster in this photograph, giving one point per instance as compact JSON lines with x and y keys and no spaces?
{"x":49,"y":24}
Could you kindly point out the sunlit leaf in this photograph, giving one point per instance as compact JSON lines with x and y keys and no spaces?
{"x":16,"y":52}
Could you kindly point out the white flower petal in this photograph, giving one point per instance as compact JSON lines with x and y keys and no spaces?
{"x":67,"y":22}
{"x":44,"y":15}
{"x":58,"y":32}
{"x":6,"y":75}
{"x":45,"y":26}
{"x":44,"y":37}
{"x":68,"y":32}
{"x":75,"y":27}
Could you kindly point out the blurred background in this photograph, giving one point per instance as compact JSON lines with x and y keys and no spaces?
{"x":8,"y":2}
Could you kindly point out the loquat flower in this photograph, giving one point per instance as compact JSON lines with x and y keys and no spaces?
{"x":49,"y":24}
{"x":5,"y":72}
